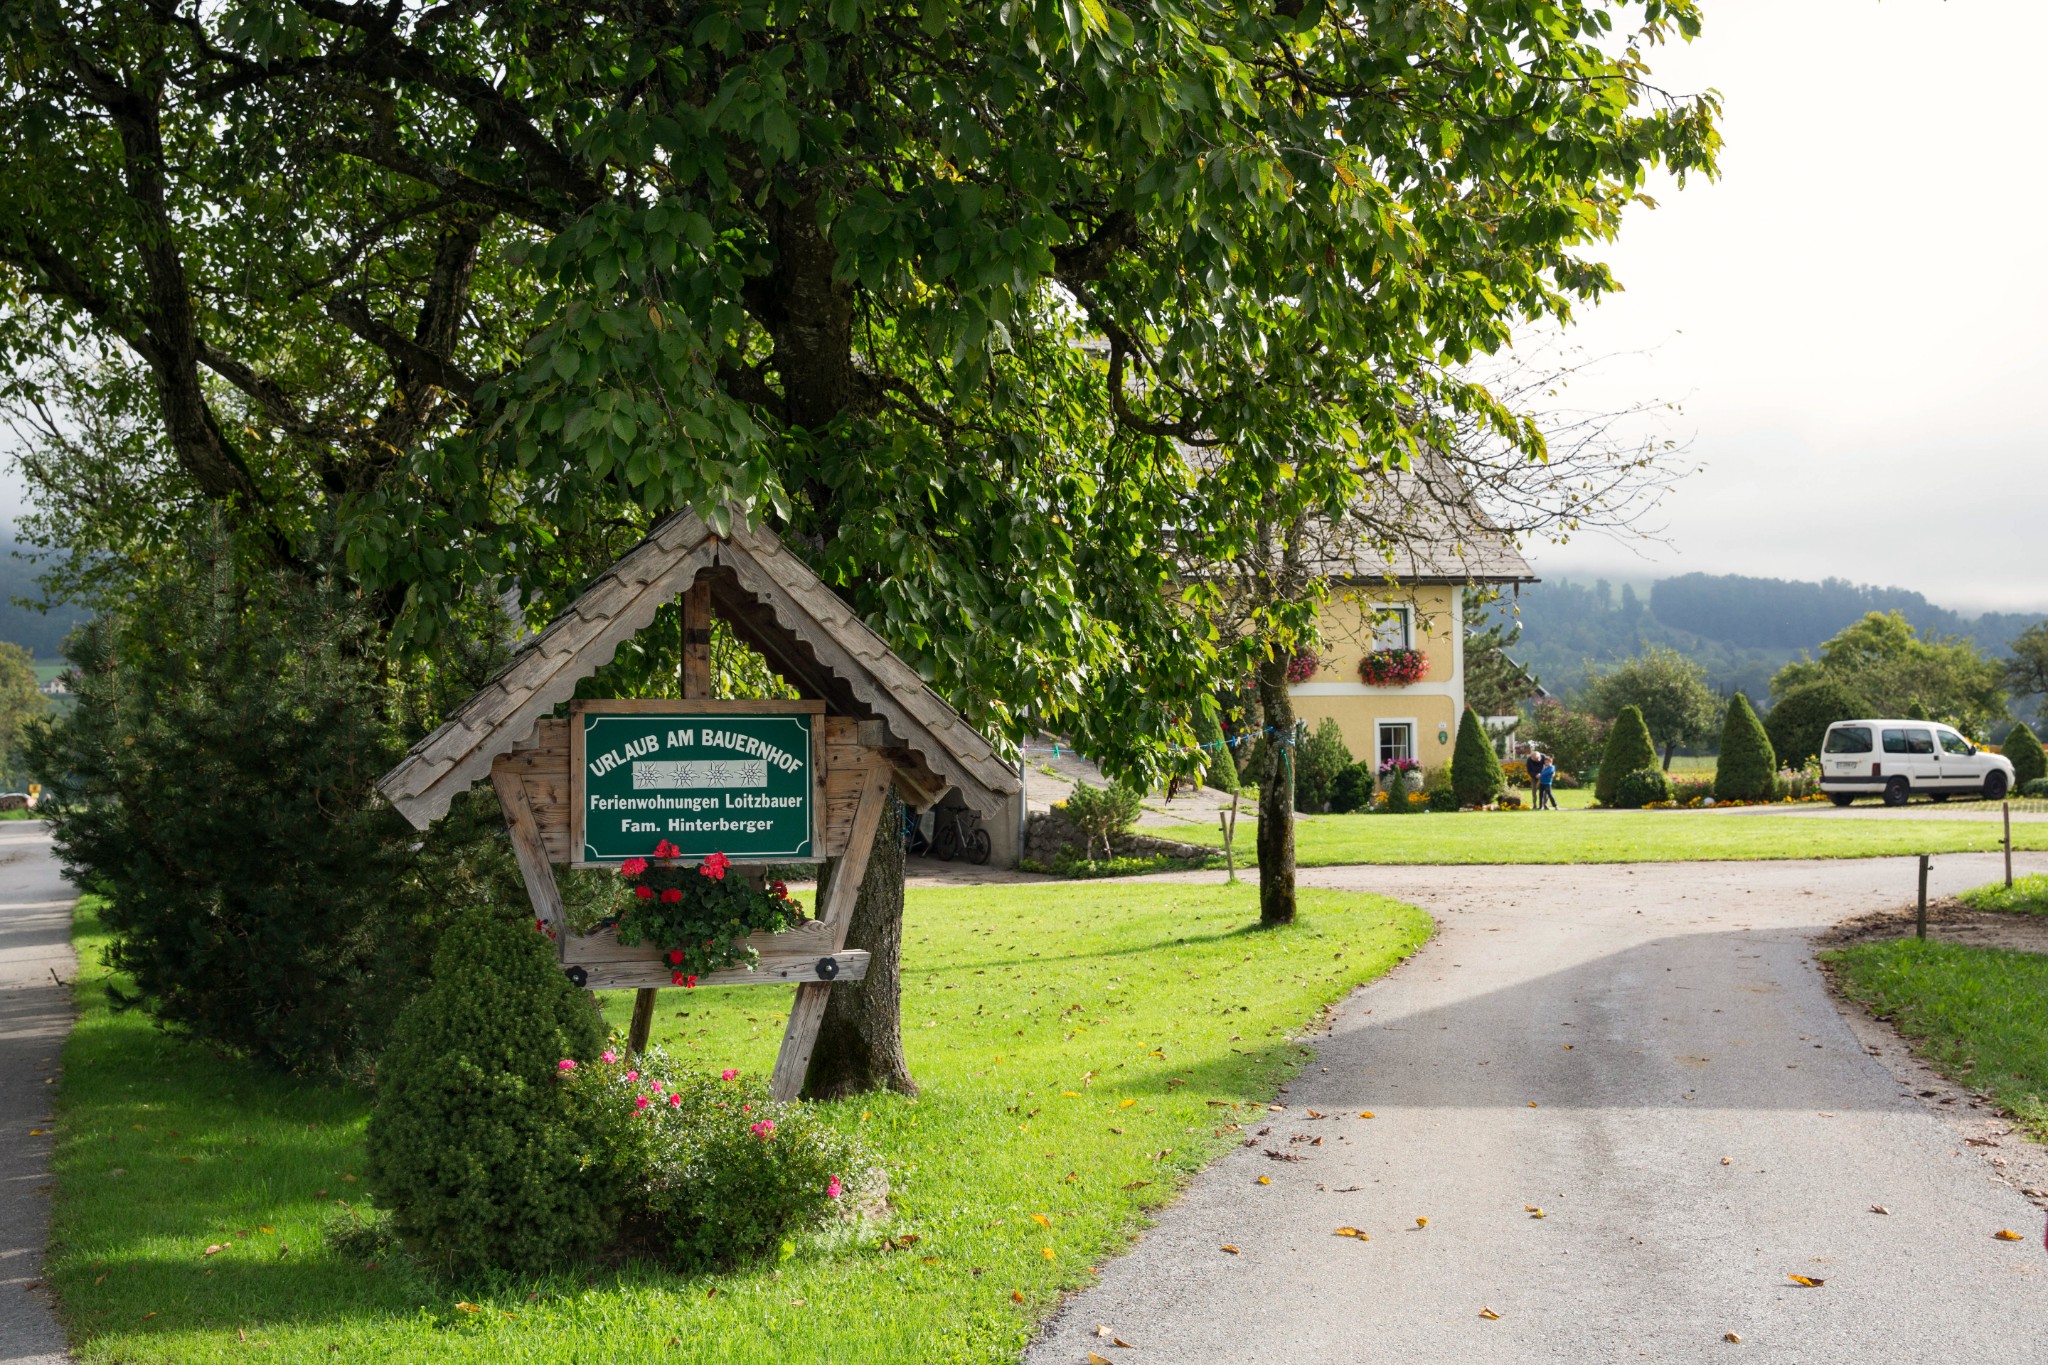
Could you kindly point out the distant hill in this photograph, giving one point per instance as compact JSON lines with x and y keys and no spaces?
{"x":1741,"y":629}
{"x":41,"y":633}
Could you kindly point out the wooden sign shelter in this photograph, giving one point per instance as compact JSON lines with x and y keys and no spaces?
{"x":873,"y":725}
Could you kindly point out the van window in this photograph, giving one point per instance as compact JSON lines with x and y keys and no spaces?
{"x":1895,"y":742}
{"x":1908,"y":742}
{"x":1953,"y":742}
{"x":1849,"y":739}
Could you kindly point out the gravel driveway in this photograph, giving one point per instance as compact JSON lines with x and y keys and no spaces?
{"x":1649,"y":1055}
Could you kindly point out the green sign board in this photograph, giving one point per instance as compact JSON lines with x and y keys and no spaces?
{"x":708,"y":780}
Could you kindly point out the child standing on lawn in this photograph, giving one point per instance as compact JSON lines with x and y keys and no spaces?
{"x":1546,"y":778}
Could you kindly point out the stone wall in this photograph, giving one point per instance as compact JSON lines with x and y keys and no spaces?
{"x":1049,"y":832}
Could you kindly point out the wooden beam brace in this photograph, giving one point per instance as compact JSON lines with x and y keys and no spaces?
{"x":529,"y":851}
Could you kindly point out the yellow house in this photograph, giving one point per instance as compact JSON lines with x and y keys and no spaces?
{"x":1404,"y":593}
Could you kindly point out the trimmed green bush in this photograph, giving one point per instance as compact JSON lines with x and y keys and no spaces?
{"x":1689,"y":789}
{"x":1318,"y":761}
{"x":1475,"y":768}
{"x":1641,"y":787}
{"x":712,"y":1171}
{"x":1352,"y":791}
{"x":1799,"y":719}
{"x":2037,"y":789}
{"x":1629,"y":749}
{"x":1747,"y":769}
{"x":473,"y":1145}
{"x":1101,"y":813}
{"x":2023,"y":750}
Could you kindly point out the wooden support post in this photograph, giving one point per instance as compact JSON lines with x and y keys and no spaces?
{"x":1229,"y":824}
{"x":2008,"y":844}
{"x":835,"y":912}
{"x":696,"y":607}
{"x":527,"y":848}
{"x":1920,"y":919}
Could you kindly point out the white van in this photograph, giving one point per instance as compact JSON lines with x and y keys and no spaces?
{"x":1896,"y":758}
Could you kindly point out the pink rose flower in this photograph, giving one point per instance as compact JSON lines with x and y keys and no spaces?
{"x":566,"y":1064}
{"x":764,"y":1129}
{"x":608,"y":1057}
{"x":631,"y":1077}
{"x":729,"y":1074}
{"x":832,"y":1188}
{"x":675,"y":1101}
{"x":640,"y":1102}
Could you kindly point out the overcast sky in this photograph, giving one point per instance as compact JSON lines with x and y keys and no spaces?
{"x":1853,"y":315}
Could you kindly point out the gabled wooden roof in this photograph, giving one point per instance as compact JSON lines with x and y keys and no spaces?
{"x":773,"y":601}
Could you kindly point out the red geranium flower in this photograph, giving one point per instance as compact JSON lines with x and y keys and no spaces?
{"x":714,"y":867}
{"x":632,"y":867}
{"x":665,"y":849}
{"x":679,"y":978}
{"x":671,"y":896}
{"x":645,"y":893}
{"x":675,"y":956}
{"x":689,"y":982}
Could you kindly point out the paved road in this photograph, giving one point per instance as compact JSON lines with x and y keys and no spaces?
{"x":35,"y":1014}
{"x":1659,"y":1019}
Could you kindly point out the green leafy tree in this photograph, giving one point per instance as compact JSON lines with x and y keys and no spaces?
{"x":21,"y":705}
{"x":1800,"y":717}
{"x":1669,"y":690}
{"x":945,"y":294}
{"x":1748,"y":767}
{"x":2023,"y":748}
{"x":1574,"y":738}
{"x":1629,"y":750}
{"x":2026,"y":672}
{"x":475,"y":1148}
{"x":1318,"y":760}
{"x":1475,"y":768}
{"x":1883,"y":659}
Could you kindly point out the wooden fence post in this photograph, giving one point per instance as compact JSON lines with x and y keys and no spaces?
{"x":1920,"y":919}
{"x":2008,"y":844}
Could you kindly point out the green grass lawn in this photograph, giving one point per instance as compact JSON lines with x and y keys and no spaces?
{"x":1082,"y":1048}
{"x":1591,"y":836}
{"x":2026,"y":896}
{"x":1979,"y":1015}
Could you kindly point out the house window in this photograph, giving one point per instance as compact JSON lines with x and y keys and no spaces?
{"x":1392,"y":628}
{"x":1397,"y":741}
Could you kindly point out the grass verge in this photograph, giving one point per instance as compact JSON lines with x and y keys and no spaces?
{"x":1081,"y":1050}
{"x":1617,"y":837}
{"x":1978,"y":1015}
{"x":2026,"y":896}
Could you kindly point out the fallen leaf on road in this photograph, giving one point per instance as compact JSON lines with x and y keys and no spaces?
{"x":1804,"y":1281}
{"x":1727,"y":1161}
{"x":1879,"y":1208}
{"x":1094,"y":1359}
{"x":1537,"y":1213}
{"x":1314,"y":1115}
{"x":1489,"y":1315}
{"x":1422,"y":1222}
{"x":2006,"y":1235}
{"x":1532,"y":1104}
{"x":1353,"y":1232}
{"x":1365,"y":1114}
{"x":1730,"y":1336}
{"x":1265,"y":1180}
{"x":1101,"y":1331}
{"x":1567,"y":1047}
{"x":1231,"y":1249}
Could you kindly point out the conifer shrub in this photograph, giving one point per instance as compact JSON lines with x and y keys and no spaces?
{"x":1475,"y":768}
{"x":2023,"y":751}
{"x":2035,"y":790}
{"x":1799,"y":719}
{"x":474,"y":1145}
{"x":1219,"y":765}
{"x":1318,"y":760}
{"x":1352,"y":791}
{"x":1641,"y":787}
{"x":1629,"y":749}
{"x":1747,"y":769}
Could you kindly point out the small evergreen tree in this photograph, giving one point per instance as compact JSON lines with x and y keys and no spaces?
{"x":1219,"y":764}
{"x":1352,"y":791}
{"x":1629,"y":749}
{"x":1748,"y":766}
{"x":1475,"y":768}
{"x":473,"y":1146}
{"x":2029,"y":764}
{"x":1318,"y":759}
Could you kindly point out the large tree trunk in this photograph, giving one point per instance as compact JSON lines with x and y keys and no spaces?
{"x":860,"y":1042}
{"x":1276,"y":797}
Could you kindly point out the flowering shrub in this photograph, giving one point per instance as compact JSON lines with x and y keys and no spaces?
{"x":1302,"y":667}
{"x":1395,"y":774}
{"x":711,"y":1171}
{"x":700,"y":917}
{"x":1392,"y":667}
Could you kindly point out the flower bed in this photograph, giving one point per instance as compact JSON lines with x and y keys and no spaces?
{"x":700,"y":917}
{"x":1392,"y":667}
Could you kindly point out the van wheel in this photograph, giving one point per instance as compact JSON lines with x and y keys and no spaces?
{"x":1994,"y":787}
{"x":1896,"y":791}
{"x":1841,"y":798}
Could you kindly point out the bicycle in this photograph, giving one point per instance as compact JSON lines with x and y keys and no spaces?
{"x":959,"y":831}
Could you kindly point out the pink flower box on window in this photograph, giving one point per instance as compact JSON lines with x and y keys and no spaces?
{"x":1392,"y":667}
